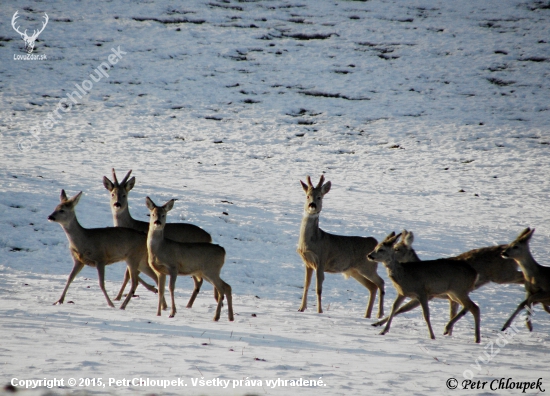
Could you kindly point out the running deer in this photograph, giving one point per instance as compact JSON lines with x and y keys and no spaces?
{"x":98,"y":247}
{"x":537,"y":277}
{"x":167,"y":257}
{"x":487,"y":261}
{"x":179,"y":232}
{"x":324,"y":252}
{"x":424,"y":280}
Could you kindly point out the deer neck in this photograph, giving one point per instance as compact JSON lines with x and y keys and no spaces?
{"x":155,"y":237}
{"x":123,"y":218}
{"x":412,"y":256}
{"x":394,"y":268}
{"x":75,"y":232}
{"x":528,"y":265}
{"x":309,"y":229}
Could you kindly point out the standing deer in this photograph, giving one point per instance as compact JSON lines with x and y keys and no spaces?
{"x":29,"y":40}
{"x":167,"y":257}
{"x":424,"y":280}
{"x":98,"y":247}
{"x":324,"y":252}
{"x":488,"y":263}
{"x":179,"y":232}
{"x":537,"y":277}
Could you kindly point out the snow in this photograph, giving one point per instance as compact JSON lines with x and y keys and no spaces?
{"x":226,"y":105}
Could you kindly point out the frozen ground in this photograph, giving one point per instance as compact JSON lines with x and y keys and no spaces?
{"x":426,"y":115}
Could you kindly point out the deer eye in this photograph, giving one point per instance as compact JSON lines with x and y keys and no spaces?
{"x":113,"y":195}
{"x":61,"y":211}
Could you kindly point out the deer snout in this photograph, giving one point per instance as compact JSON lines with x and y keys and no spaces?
{"x":312,"y":205}
{"x":157,"y":222}
{"x":504,"y":254}
{"x":117,"y":205}
{"x":369,"y":256}
{"x":51,"y":218}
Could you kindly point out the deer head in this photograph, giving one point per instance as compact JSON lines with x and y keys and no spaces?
{"x":29,"y":40}
{"x":314,"y":195}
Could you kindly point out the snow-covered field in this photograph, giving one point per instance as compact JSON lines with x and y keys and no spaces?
{"x":426,"y":115}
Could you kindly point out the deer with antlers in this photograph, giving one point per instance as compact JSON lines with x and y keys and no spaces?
{"x":29,"y":40}
{"x":323,"y":252}
{"x":179,"y":232}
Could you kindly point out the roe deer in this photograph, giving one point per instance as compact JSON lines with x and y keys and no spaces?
{"x":423,"y":280}
{"x":167,"y":257}
{"x":324,"y":252}
{"x":487,"y":261}
{"x":98,"y":247}
{"x":537,"y":277}
{"x":179,"y":232}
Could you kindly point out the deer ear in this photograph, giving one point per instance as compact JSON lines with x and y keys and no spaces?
{"x":130,"y":184}
{"x":108,"y":184}
{"x":149,"y":203}
{"x":63,"y":196}
{"x":326,"y":187}
{"x":169,"y":205}
{"x":526,"y":234}
{"x":304,"y":186}
{"x":74,"y":200}
{"x":408,"y":238}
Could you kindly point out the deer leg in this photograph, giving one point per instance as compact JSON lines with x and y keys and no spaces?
{"x":517,"y":311}
{"x":124,"y":283}
{"x":372,"y":276}
{"x":198,"y":283}
{"x":77,"y":267}
{"x":398,"y":300}
{"x":370,"y":286}
{"x":453,"y":309}
{"x":320,"y":274}
{"x":147,"y":270}
{"x":101,"y":275}
{"x":172,"y":287}
{"x":224,"y":290}
{"x":426,"y":313}
{"x":538,"y":297}
{"x":229,"y":297}
{"x":468,"y":305}
{"x":149,"y":287}
{"x":474,"y":309}
{"x":307,"y":282}
{"x":405,"y":308}
{"x":161,"y":285}
{"x":132,"y":269}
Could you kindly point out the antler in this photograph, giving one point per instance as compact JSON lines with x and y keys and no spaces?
{"x":123,"y":182}
{"x":13,"y":19}
{"x":309,"y":181}
{"x":321,"y":180}
{"x":115,"y":181}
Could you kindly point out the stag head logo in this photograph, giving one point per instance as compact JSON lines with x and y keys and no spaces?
{"x":29,"y":40}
